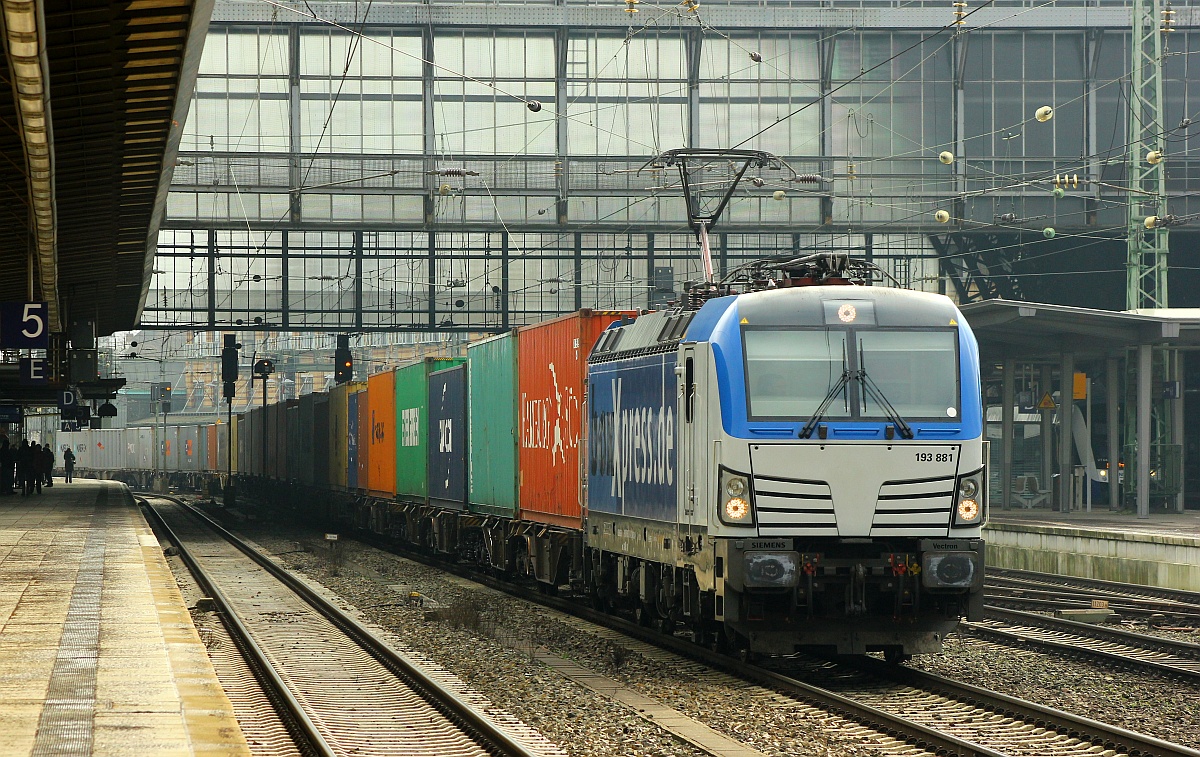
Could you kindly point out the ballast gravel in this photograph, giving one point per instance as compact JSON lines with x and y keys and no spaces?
{"x":486,"y":639}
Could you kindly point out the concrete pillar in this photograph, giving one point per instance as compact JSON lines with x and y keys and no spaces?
{"x":1007,"y":400}
{"x":1066,"y":438}
{"x":1112,"y":390}
{"x":1143,"y":440}
{"x":1044,"y":387}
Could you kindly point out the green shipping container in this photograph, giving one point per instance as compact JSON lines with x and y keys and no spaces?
{"x":492,"y":409}
{"x":412,"y":414}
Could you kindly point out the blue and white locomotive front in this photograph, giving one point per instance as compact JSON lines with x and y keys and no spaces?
{"x":804,"y":467}
{"x":849,"y":464}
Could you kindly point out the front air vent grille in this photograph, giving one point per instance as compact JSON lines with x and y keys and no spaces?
{"x":789,"y":507}
{"x":916,"y":507}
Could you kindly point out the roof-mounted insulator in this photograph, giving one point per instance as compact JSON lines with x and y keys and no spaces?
{"x":631,"y":6}
{"x":960,"y":13}
{"x":1158,"y":222}
{"x":1168,"y":20}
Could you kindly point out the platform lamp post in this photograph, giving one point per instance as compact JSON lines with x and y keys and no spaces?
{"x":263,"y":367}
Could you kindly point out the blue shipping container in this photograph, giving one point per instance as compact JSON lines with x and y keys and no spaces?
{"x":632,"y":412}
{"x":448,"y":437}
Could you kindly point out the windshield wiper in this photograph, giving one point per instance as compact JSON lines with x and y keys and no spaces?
{"x":870,"y":387}
{"x":838,"y":386}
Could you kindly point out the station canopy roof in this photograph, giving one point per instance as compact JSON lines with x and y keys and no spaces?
{"x":1038,"y":331}
{"x":117,"y":80}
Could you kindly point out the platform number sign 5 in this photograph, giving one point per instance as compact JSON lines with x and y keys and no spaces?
{"x":23,"y":326}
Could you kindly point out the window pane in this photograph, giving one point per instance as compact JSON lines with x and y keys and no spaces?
{"x":789,"y":372}
{"x":916,"y":371}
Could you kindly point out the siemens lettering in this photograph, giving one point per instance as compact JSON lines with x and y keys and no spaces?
{"x":631,"y":442}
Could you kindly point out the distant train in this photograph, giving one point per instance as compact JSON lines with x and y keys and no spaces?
{"x":794,"y":466}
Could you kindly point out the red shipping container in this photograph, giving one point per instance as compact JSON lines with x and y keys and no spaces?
{"x":364,"y":439}
{"x":552,"y":366}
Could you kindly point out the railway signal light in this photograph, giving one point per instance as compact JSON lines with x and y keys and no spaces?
{"x":229,"y":366}
{"x":343,"y":360}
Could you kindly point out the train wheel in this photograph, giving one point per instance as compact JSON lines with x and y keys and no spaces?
{"x":896,"y":656}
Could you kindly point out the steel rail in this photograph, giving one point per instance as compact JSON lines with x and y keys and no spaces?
{"x":1177,"y":596}
{"x":1059,"y":600}
{"x":310,"y":738}
{"x":1114,"y":737}
{"x":1120,"y":635}
{"x":1083,"y":636}
{"x":449,"y":703}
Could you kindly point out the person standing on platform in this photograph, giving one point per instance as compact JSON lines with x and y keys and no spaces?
{"x":33,"y":472}
{"x":6,"y":467}
{"x":68,"y":464}
{"x":48,"y":463}
{"x":24,"y":460}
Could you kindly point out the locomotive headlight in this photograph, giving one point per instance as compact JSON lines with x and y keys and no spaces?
{"x":951,"y":570}
{"x":968,"y":509}
{"x":735,"y":507}
{"x":771,"y":570}
{"x":967,"y":487}
{"x":969,"y":504}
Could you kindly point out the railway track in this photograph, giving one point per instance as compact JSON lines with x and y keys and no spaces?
{"x":1044,"y":591}
{"x":927,"y":711}
{"x":1111,"y":645}
{"x":344,"y":690}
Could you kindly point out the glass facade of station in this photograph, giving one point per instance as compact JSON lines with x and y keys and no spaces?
{"x":388,"y":172}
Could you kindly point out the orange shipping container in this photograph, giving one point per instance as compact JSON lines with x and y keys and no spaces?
{"x":381,"y":401}
{"x":364,"y":439}
{"x":211,"y":446}
{"x":552,"y":366}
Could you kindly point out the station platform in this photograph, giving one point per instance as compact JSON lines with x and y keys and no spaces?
{"x":98,"y":653}
{"x":1162,"y":550}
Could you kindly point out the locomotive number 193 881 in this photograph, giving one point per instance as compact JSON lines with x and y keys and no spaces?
{"x":934,"y":457}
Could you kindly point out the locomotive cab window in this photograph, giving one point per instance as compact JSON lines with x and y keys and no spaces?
{"x":917,"y":371}
{"x":789,"y":372}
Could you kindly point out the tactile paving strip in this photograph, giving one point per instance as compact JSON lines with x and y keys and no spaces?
{"x":65,"y":726}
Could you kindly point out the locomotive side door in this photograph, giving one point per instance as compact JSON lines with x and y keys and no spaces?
{"x":689,"y":435}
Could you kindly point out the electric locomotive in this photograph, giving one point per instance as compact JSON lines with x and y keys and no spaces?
{"x":799,"y":465}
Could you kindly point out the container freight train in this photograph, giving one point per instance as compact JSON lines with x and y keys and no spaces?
{"x":180,"y":455}
{"x":798,"y":466}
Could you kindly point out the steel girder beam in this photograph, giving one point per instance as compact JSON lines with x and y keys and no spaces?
{"x":977,"y":265}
